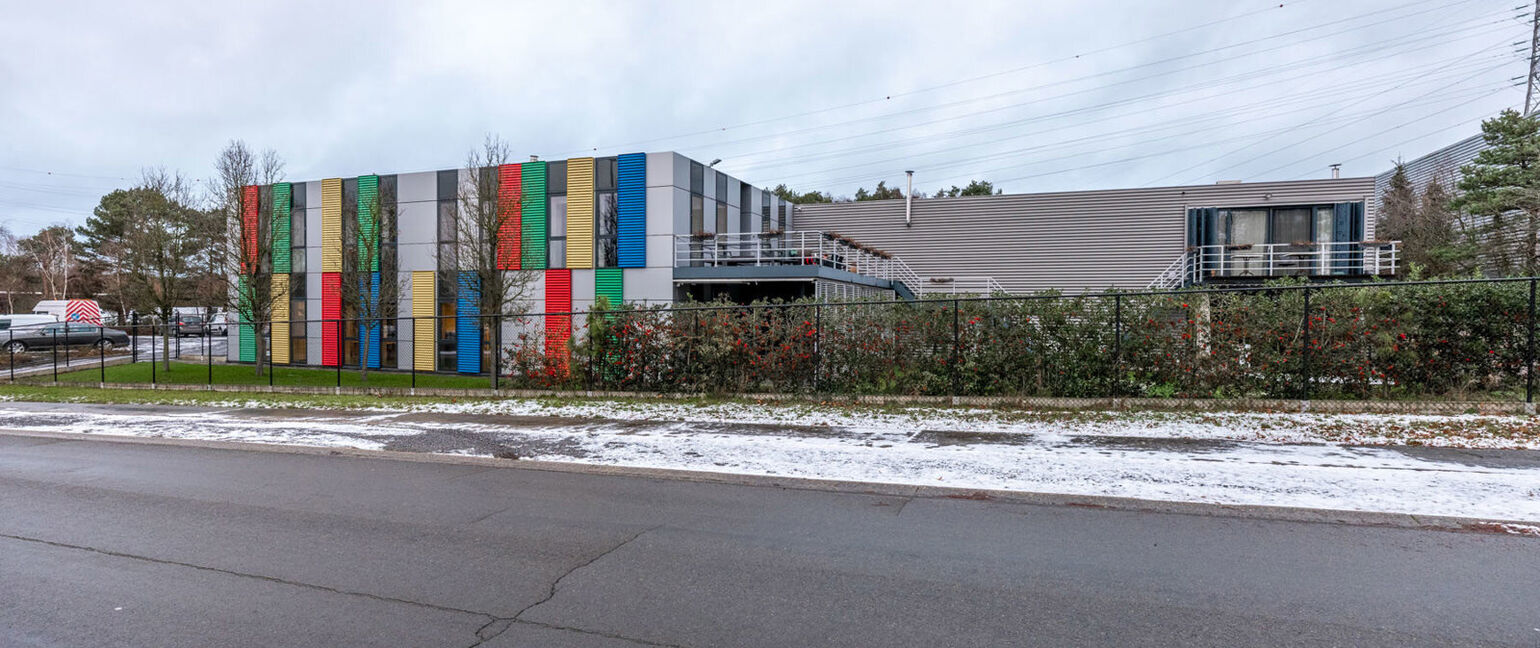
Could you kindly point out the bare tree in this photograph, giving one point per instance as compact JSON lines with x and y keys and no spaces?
{"x":12,"y":274}
{"x":248,"y":244}
{"x":371,"y":285}
{"x":481,"y":231}
{"x":162,"y":241}
{"x":52,"y":252}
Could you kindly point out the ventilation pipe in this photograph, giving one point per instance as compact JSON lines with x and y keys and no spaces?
{"x":909,"y":200}
{"x":1336,"y":171}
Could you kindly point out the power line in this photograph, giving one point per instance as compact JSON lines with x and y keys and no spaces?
{"x":942,"y":86}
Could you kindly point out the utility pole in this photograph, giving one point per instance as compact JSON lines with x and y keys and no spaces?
{"x":1534,"y":59}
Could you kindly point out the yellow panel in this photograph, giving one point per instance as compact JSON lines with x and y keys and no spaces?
{"x":280,"y":319}
{"x":331,"y":225}
{"x":580,"y":213}
{"x":423,"y":349}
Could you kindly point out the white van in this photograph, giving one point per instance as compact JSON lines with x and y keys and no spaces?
{"x":8,"y":322}
{"x":87,"y":310}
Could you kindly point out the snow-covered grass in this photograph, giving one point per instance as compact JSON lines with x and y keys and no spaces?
{"x":1480,"y":431}
{"x":1077,"y":455}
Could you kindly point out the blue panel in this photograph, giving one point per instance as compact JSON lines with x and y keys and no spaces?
{"x":631,"y":194}
{"x":467,"y":325}
{"x":369,"y":332}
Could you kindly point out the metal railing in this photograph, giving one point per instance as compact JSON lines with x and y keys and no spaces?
{"x":1358,"y":258}
{"x":815,"y":248}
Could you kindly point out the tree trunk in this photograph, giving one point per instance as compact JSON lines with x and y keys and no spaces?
{"x":261,"y":344}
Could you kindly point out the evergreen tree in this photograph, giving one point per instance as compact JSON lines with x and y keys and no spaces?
{"x":1503,"y":186}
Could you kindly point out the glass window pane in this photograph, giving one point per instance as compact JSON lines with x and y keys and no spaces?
{"x":446,"y":221}
{"x":721,"y":217}
{"x":697,"y":178}
{"x":697,"y":214}
{"x":606,"y":254}
{"x":608,"y":218}
{"x":604,"y":174}
{"x":297,"y":261}
{"x":556,"y":178}
{"x":558,"y":217}
{"x":721,"y":192}
{"x":1248,"y":227}
{"x":297,"y":226}
{"x":556,"y":255}
{"x":1291,"y":226}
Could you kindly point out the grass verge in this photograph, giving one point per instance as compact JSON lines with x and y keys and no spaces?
{"x":185,"y":373}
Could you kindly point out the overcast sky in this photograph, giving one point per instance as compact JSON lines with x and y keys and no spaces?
{"x":1039,"y":96}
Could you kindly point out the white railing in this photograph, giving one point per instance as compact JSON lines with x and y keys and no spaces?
{"x":812,"y":247}
{"x":1358,"y":258}
{"x":958,"y":286}
{"x":1176,"y":275}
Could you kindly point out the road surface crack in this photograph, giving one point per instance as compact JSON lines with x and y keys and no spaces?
{"x":557,"y":583}
{"x":228,"y":572}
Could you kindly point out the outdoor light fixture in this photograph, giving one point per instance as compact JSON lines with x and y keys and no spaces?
{"x":714,"y":162}
{"x":909,"y":200}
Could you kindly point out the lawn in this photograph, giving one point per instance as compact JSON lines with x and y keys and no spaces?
{"x":198,"y":374}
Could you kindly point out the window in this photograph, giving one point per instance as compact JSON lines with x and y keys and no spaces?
{"x":764,"y":214}
{"x":1247,"y":227}
{"x":697,"y":214}
{"x":606,"y":227}
{"x":782,"y":222}
{"x":556,"y":178}
{"x":604,"y":174}
{"x":297,"y":261}
{"x":697,"y":178}
{"x":297,"y":327}
{"x":297,"y":216}
{"x":1291,"y":226}
{"x":556,"y":233}
{"x":721,"y":198}
{"x":746,"y":208}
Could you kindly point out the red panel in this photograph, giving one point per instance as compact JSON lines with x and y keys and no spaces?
{"x":249,"y":198}
{"x":509,"y":216}
{"x":558,"y":328}
{"x":331,"y":311}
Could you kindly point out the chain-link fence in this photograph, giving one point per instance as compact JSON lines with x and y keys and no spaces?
{"x":1438,"y":341}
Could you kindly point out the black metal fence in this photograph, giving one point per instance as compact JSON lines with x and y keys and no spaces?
{"x":1463,"y":340}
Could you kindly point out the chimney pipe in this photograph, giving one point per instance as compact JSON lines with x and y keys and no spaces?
{"x":909,"y":200}
{"x":534,"y":158}
{"x":1336,"y":171}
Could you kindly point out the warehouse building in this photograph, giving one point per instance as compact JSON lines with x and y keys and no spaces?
{"x":660,"y":228}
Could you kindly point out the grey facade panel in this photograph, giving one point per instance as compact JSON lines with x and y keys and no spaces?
{"x":1070,"y":241}
{"x":1443,"y":164}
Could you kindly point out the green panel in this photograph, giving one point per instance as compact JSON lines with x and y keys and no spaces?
{"x":368,"y":223}
{"x":533,"y":215}
{"x":247,"y":333}
{"x":280,"y":212}
{"x":607,"y":285}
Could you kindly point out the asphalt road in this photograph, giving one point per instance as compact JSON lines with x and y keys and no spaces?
{"x":109,"y":544}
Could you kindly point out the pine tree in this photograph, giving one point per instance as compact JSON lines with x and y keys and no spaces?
{"x":1503,"y":185}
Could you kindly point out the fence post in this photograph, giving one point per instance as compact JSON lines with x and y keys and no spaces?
{"x":270,"y":368}
{"x":153,"y":361}
{"x":415,"y":350}
{"x":208,"y":343}
{"x":340,"y":349}
{"x":1529,"y":349}
{"x":1305,"y":356}
{"x":817,"y":343}
{"x":497,"y":349}
{"x":55,"y":351}
{"x":101,"y":348}
{"x":66,"y":352}
{"x":956,"y":344}
{"x":134,"y":333}
{"x":1117,"y":342}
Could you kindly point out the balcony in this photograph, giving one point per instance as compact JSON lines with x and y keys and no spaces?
{"x":782,"y":249}
{"x":1263,"y":261}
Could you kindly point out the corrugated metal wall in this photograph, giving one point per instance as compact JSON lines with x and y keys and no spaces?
{"x":331,"y":312}
{"x":509,"y":217}
{"x":532,"y":214}
{"x":467,"y":324}
{"x":609,"y":285}
{"x":1071,"y":241}
{"x":282,"y":199}
{"x":631,"y":198}
{"x":280,"y":330}
{"x":250,"y":206}
{"x":1443,"y":164}
{"x":558,"y":299}
{"x":245,"y":331}
{"x":580,"y":213}
{"x":424,"y":351}
{"x":331,"y":225}
{"x":369,"y":331}
{"x":368,"y":222}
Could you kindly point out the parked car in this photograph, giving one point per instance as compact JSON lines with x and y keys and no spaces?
{"x":22,"y":339}
{"x":219,"y":324}
{"x":191,"y":325}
